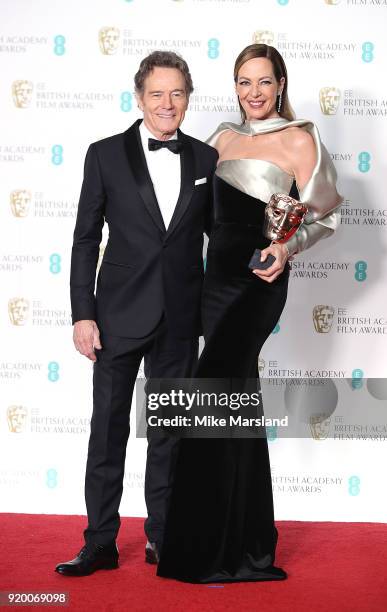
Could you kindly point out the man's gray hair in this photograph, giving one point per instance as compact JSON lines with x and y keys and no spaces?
{"x":162,"y":59}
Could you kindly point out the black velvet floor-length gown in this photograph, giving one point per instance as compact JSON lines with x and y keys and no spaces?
{"x":220,"y":525}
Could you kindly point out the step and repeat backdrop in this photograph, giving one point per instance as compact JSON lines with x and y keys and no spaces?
{"x":67,"y":73}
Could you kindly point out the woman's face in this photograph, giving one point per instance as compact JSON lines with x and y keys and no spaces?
{"x":257,"y":88}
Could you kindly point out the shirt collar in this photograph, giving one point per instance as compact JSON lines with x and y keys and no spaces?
{"x":145,"y":134}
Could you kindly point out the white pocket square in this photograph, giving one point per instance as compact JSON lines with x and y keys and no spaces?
{"x":201,"y":181}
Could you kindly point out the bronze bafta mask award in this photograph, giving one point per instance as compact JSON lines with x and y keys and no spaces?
{"x":283,"y":217}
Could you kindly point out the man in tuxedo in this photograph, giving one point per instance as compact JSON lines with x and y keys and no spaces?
{"x":152,"y":185}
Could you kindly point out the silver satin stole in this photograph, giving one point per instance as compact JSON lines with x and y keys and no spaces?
{"x":261,"y":179}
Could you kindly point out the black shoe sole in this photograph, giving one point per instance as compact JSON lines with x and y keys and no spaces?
{"x":108,"y":566}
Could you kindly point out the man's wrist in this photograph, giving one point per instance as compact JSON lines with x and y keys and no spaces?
{"x":84,"y":321}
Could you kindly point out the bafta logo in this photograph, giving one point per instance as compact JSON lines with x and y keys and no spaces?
{"x":102,"y":248}
{"x":333,"y":2}
{"x":22,"y":93}
{"x":108,"y":38}
{"x":18,"y":308}
{"x":323,"y":318}
{"x":261,"y":365}
{"x":263,"y":37}
{"x":319,"y":426}
{"x":20,"y":200}
{"x":329,"y":100}
{"x":16,"y":417}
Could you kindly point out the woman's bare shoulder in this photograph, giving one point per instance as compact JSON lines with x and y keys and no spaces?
{"x":225,"y":137}
{"x":224,"y":140}
{"x":299,"y":139}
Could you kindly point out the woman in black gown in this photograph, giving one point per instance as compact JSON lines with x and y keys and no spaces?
{"x":220,"y":525}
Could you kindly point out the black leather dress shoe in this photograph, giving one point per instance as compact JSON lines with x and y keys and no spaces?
{"x":152,"y":553}
{"x":91,"y":557}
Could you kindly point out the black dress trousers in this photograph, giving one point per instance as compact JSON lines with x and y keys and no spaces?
{"x":115,"y":372}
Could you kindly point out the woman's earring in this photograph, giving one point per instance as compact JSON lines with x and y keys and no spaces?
{"x":279,"y":102}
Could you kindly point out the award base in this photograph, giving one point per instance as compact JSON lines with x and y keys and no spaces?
{"x":255,"y":262}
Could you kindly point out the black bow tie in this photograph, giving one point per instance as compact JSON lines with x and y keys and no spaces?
{"x":173,"y":145}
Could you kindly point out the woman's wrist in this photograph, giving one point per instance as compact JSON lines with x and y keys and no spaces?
{"x":283,"y":244}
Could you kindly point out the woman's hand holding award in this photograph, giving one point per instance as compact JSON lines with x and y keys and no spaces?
{"x":283,"y":217}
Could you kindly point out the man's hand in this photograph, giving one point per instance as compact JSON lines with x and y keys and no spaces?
{"x":281,"y":255}
{"x":86,"y":338}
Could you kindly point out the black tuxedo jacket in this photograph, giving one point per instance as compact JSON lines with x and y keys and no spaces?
{"x":146,"y":270}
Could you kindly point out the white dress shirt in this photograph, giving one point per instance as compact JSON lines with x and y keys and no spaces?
{"x":164,"y":170}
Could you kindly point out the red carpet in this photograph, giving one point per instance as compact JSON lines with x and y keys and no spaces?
{"x":335,"y":567}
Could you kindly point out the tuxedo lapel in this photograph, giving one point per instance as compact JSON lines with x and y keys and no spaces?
{"x":187,"y":185}
{"x":138,"y":165}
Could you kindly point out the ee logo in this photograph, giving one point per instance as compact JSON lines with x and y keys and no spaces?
{"x":357,"y":378}
{"x":55,"y":261}
{"x":364,"y":159}
{"x":354,"y":485}
{"x":368,"y":52}
{"x":53,"y":371}
{"x":126,"y":101}
{"x":361,"y":271}
{"x":271,"y":432}
{"x":52,"y":478}
{"x":57,"y":154}
{"x":213,"y":48}
{"x":59,"y":45}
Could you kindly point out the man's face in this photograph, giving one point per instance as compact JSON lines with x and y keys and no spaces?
{"x":163,"y":101}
